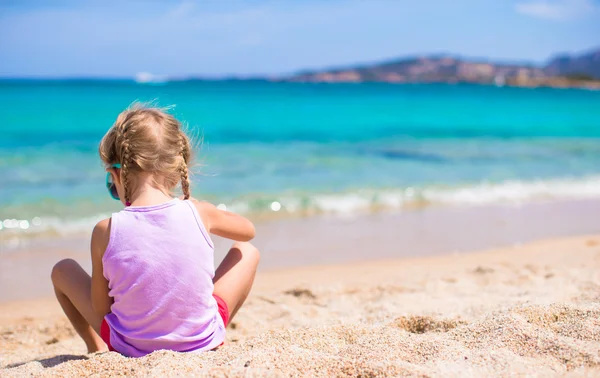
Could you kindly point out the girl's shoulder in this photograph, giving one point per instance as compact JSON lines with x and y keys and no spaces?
{"x":224,"y":223}
{"x":205,"y":210}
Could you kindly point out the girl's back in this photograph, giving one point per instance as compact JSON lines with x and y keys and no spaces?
{"x":159,"y":263}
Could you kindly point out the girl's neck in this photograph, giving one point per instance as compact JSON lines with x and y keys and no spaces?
{"x":147,"y":194}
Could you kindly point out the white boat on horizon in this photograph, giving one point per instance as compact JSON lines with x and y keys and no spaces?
{"x":499,"y":80}
{"x":149,"y":78}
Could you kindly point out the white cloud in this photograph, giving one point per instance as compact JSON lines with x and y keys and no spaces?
{"x":558,"y":10}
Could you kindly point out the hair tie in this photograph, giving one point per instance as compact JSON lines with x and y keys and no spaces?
{"x":127,"y":204}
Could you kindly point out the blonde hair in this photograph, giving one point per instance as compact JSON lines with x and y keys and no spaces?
{"x":147,"y":139}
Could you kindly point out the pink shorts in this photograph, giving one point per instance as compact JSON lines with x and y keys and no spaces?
{"x":223,"y":311}
{"x":105,"y":334}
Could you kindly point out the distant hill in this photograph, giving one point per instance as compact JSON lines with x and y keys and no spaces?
{"x":561,"y":71}
{"x":586,"y":64}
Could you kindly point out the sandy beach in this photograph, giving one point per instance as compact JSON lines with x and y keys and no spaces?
{"x":524,"y":310}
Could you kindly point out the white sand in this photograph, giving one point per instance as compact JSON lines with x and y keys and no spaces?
{"x":532,"y":310}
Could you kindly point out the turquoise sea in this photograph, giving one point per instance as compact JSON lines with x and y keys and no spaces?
{"x":291,"y":149}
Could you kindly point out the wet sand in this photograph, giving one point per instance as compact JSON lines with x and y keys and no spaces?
{"x":288,"y":243}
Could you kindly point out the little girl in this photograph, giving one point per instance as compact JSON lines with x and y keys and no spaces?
{"x":153,"y":283}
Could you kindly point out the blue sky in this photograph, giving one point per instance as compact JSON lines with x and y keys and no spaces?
{"x":221,"y":37}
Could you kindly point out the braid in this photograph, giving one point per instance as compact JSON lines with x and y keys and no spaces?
{"x":125,"y":165}
{"x":126,"y":159}
{"x":185,"y":153}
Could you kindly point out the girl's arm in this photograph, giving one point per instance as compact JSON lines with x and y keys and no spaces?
{"x":101,"y":301}
{"x":224,"y":223}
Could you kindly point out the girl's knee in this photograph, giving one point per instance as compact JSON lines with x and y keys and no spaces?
{"x":61,"y":268}
{"x":248,"y":250}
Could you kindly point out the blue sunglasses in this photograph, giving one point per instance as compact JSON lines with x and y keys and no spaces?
{"x":110,"y":185}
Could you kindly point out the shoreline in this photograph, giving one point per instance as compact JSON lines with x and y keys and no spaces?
{"x":331,"y":240}
{"x":17,"y":232}
{"x":525,"y":310}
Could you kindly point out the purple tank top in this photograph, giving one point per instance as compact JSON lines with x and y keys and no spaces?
{"x":159,"y":264}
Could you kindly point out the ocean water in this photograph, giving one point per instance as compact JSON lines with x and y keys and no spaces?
{"x":287,"y":149}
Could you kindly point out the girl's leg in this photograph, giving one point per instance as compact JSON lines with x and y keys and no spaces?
{"x":234,"y":277}
{"x":73,"y":288}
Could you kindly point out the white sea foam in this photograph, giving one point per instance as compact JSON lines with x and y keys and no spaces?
{"x":347,"y":203}
{"x":514,"y":191}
